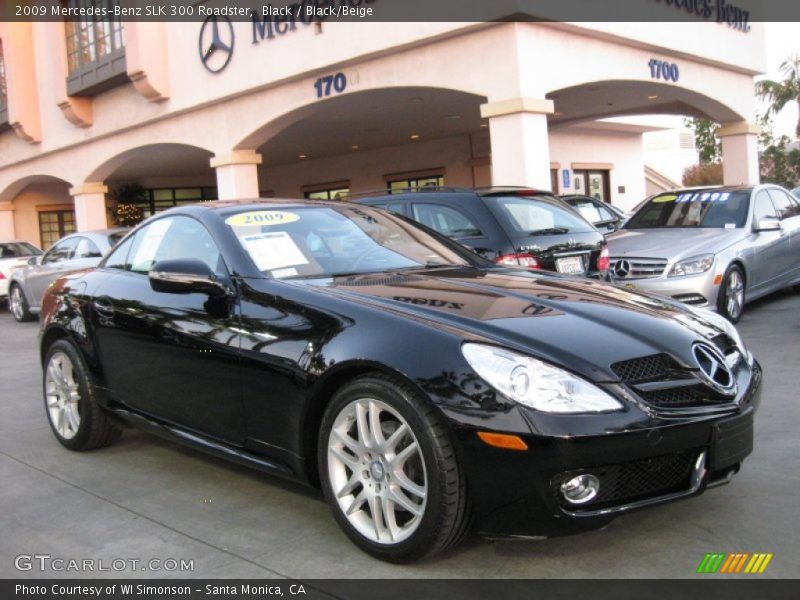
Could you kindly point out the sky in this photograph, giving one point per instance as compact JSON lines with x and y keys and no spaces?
{"x":783,"y":39}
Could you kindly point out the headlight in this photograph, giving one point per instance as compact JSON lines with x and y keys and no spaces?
{"x":536,"y":384}
{"x":692,"y":266}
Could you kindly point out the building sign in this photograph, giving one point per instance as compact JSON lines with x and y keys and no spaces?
{"x":661,"y":69}
{"x":721,"y":11}
{"x":216,"y":43}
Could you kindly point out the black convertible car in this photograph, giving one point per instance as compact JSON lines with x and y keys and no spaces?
{"x":426,"y":390}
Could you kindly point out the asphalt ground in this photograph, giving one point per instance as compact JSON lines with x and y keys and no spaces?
{"x":145,"y":499}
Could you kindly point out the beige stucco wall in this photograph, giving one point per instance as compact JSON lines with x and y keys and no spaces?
{"x":33,"y":199}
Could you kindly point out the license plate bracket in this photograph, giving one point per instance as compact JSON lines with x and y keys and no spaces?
{"x":731,"y":441}
{"x":570,"y":265}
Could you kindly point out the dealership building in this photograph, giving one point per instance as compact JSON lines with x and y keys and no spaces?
{"x":273,"y":107}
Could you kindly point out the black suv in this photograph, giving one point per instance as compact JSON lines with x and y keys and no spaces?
{"x":509,"y":226}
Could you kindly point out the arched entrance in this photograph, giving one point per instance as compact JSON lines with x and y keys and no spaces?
{"x":37,"y":209}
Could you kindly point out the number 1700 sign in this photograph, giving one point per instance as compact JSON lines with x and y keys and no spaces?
{"x":330,"y":84}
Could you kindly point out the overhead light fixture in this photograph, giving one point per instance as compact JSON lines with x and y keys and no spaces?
{"x":414,"y":136}
{"x":453,"y":117}
{"x":354,"y":147}
{"x":416,"y":99}
{"x":653,"y":97}
{"x":558,"y":114}
{"x":302,"y":156}
{"x":484,"y":125}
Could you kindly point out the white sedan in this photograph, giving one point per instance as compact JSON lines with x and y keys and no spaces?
{"x":13,"y":255}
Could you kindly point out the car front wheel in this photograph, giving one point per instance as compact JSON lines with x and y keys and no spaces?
{"x":70,"y":398}
{"x":389,"y":471}
{"x":18,"y":304}
{"x":730,"y":302}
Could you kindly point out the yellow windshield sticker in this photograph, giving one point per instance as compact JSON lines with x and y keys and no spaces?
{"x":262,"y":217}
{"x":664,"y":198}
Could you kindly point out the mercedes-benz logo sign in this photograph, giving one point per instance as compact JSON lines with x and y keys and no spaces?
{"x":713,"y":368}
{"x":216,"y":43}
{"x":621,"y":268}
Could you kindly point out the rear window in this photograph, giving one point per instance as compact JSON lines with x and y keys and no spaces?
{"x":532,"y":216}
{"x":18,"y":249}
{"x":693,"y":209}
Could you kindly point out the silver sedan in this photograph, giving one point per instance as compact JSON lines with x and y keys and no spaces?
{"x":71,"y":253}
{"x":716,"y":248}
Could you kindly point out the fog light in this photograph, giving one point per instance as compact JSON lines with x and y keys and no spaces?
{"x":580,"y":489}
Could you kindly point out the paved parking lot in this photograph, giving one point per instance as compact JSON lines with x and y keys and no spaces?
{"x":147,"y":499}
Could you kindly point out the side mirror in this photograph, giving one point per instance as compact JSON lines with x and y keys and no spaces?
{"x":768,"y":224}
{"x":35,"y":260}
{"x":188,"y":276}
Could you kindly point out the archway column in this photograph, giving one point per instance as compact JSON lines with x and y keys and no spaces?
{"x":7,"y":231}
{"x":739,"y":153}
{"x":90,"y":206}
{"x":237,"y":174}
{"x":519,"y":141}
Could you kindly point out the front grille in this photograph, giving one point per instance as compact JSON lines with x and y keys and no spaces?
{"x":683,"y":397}
{"x":646,"y":368}
{"x":662,"y":382}
{"x":637,"y":268}
{"x":638,"y":479}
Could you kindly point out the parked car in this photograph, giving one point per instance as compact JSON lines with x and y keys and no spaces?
{"x":13,"y":254}
{"x":604,"y":216}
{"x":717,"y":248}
{"x":509,"y":226}
{"x":70,"y":253}
{"x":425,"y":389}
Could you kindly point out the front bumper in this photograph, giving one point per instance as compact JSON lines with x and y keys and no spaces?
{"x":517,"y":493}
{"x":697,"y":290}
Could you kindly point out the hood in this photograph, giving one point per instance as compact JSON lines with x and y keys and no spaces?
{"x":582,"y":324}
{"x":668,"y":243}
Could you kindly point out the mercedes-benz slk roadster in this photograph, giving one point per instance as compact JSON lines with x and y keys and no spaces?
{"x":427,"y":391}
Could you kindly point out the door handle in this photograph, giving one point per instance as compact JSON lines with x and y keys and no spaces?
{"x":103,"y":307}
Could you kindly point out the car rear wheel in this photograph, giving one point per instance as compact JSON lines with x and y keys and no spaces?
{"x":18,"y":304}
{"x":70,"y":395}
{"x":730,"y":302}
{"x":389,"y":471}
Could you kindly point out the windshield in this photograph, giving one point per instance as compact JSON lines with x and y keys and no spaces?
{"x":531,"y":216}
{"x":310,"y":241}
{"x":693,"y":209}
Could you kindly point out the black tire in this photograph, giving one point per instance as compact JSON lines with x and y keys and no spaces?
{"x":18,"y":304}
{"x":445,"y":518}
{"x":96,"y":429}
{"x":725,"y":306}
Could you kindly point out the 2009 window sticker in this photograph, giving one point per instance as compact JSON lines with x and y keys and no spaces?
{"x":262,"y":217}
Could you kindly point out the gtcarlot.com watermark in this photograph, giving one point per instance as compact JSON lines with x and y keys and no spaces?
{"x":46,"y":563}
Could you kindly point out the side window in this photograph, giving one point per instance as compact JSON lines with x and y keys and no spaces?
{"x":61,"y":251}
{"x":764,"y":208}
{"x":86,"y":248}
{"x":395,"y":207}
{"x":783,"y":204}
{"x":118,"y":259}
{"x":173,"y":238}
{"x":446,"y":220}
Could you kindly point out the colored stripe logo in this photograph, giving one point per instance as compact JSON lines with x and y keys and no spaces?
{"x":735,"y":562}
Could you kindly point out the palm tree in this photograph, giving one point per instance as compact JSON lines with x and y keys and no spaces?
{"x":780,"y":93}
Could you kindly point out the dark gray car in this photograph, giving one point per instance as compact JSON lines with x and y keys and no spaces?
{"x":71,"y":253}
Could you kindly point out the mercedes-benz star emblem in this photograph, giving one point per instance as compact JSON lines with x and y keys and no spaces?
{"x":216,"y":43}
{"x":621,"y":268}
{"x":713,"y":369}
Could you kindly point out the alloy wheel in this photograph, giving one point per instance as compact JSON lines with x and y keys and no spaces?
{"x":735,"y":294}
{"x":62,"y":395}
{"x":16,"y":302}
{"x":377,"y":471}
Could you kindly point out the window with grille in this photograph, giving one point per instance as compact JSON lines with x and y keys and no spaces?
{"x":415,"y":184}
{"x":161,"y":199}
{"x":95,"y":49}
{"x":331,"y":194}
{"x":55,"y":224}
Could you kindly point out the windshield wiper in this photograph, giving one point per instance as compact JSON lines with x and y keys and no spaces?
{"x":549,"y":231}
